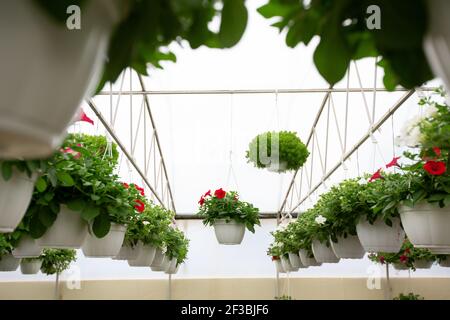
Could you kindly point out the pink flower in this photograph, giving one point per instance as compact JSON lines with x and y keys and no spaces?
{"x":75,"y":154}
{"x":83,"y":117}
{"x":393,"y":162}
{"x":376,"y":175}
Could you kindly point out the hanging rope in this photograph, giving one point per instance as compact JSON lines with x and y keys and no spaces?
{"x":231,"y":173}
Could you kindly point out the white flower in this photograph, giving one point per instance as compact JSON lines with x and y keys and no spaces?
{"x":430,"y":111}
{"x":362,"y":181}
{"x":410,"y":134}
{"x":146,"y":222}
{"x":320,"y":219}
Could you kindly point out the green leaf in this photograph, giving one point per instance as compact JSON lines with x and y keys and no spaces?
{"x":101,"y":226}
{"x":41,"y":184}
{"x":6,"y":170}
{"x":37,"y":229}
{"x":94,"y":197}
{"x":90,"y":212}
{"x":65,"y":178}
{"x":76,"y":204}
{"x":46,"y":216}
{"x":233,"y":22}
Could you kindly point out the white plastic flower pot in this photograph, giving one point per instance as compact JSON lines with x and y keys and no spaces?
{"x":279,"y":266}
{"x":15,"y":196}
{"x":46,"y":71}
{"x":322,"y":253}
{"x":108,"y":246}
{"x":306,"y":260}
{"x":437,"y":39}
{"x":348,"y":248}
{"x":9,"y":263}
{"x":229,"y":233}
{"x":427,"y":226}
{"x":156,"y":264}
{"x":165,"y":263}
{"x":295,"y":261}
{"x":30,"y":267}
{"x":173,"y":267}
{"x":379,"y":237}
{"x":27,"y":248}
{"x":145,"y":255}
{"x":445,"y":263}
{"x":287,"y":265}
{"x":277,"y":167}
{"x":423,"y":264}
{"x":68,"y":231}
{"x":126,"y":253}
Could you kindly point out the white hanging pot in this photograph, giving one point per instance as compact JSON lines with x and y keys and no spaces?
{"x":169,"y":263}
{"x":437,"y":39}
{"x":126,"y":253}
{"x":9,"y":263}
{"x":165,"y":262}
{"x":15,"y":196}
{"x":145,"y":255}
{"x":156,"y":264}
{"x":68,"y":231}
{"x":322,"y":253}
{"x":379,"y":237}
{"x":276,"y":166}
{"x":27,"y":248}
{"x":106,"y":247}
{"x":46,"y":71}
{"x":287,"y":265}
{"x":295,"y":261}
{"x":445,"y":263}
{"x":427,"y":226}
{"x":30,"y":267}
{"x":423,"y":264}
{"x":230,"y":232}
{"x":279,"y":266}
{"x":306,"y":260}
{"x":348,"y":248}
{"x":173,"y":267}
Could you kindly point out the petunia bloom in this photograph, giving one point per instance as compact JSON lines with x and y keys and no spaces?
{"x":208,"y":193}
{"x":74,"y":153}
{"x":382,"y":260}
{"x":139,"y":206}
{"x":126,"y":185}
{"x":435,"y":168}
{"x":141,"y":190}
{"x":83,"y":117}
{"x":201,"y":201}
{"x":393,"y":163}
{"x":320,"y":219}
{"x":376,"y":175}
{"x":437,"y":151}
{"x":403,"y":258}
{"x":220,"y":193}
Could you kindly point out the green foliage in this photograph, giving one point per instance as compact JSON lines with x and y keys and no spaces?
{"x":29,"y":167}
{"x":56,"y":260}
{"x":228,"y":208}
{"x":80,"y":176}
{"x":344,"y":36}
{"x":177,"y":244}
{"x":291,"y":150}
{"x":409,"y":296}
{"x":6,"y":245}
{"x":148,"y":27}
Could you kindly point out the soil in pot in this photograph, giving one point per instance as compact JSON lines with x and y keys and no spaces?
{"x":379,"y":237}
{"x":229,"y":233}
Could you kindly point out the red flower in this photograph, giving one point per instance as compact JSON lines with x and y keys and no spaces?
{"x":376,"y":175}
{"x":437,"y":151}
{"x":74,"y":153}
{"x":435,"y":168}
{"x":139,"y":206}
{"x":126,"y":185}
{"x":381,"y":259}
{"x":275,"y":258}
{"x":201,"y":201}
{"x":219,"y":193}
{"x":208,"y":193}
{"x":393,"y":162}
{"x":141,"y":190}
{"x":403,"y":258}
{"x":83,"y":117}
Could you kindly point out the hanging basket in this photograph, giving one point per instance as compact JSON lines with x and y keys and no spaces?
{"x":145,"y":255}
{"x":30,"y":267}
{"x":126,"y":253}
{"x":437,"y":39}
{"x":106,"y":247}
{"x":15,"y":196}
{"x":427,"y":226}
{"x":295,"y":261}
{"x":9,"y":263}
{"x":400,"y":266}
{"x":287,"y":265}
{"x":229,"y":232}
{"x":27,"y":248}
{"x":423,"y":264}
{"x":156,"y":264}
{"x":445,"y":263}
{"x":165,"y":262}
{"x":277,"y":167}
{"x":306,"y":260}
{"x":174,"y":266}
{"x":47,"y":70}
{"x":67,"y":232}
{"x":348,"y":248}
{"x":379,"y":237}
{"x":322,"y":253}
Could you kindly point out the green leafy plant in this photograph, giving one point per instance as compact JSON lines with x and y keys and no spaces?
{"x":288,"y":150}
{"x":409,"y":296}
{"x":227,"y":206}
{"x":148,"y":27}
{"x":29,"y":167}
{"x":344,"y":36}
{"x":177,"y":245}
{"x":56,"y":260}
{"x":6,"y":245}
{"x":81,"y":177}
